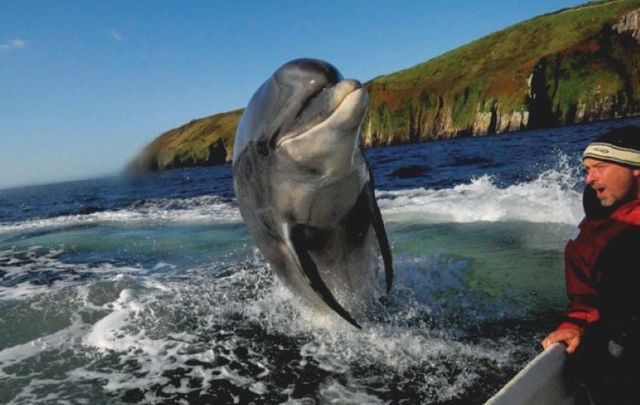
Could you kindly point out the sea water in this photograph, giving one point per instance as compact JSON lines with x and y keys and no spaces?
{"x":149,"y":290}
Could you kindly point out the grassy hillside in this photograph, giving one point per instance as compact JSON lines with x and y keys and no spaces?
{"x":574,"y":65}
{"x":201,"y":142}
{"x":565,"y":67}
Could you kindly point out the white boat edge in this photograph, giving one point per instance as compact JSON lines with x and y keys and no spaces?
{"x":539,"y":382}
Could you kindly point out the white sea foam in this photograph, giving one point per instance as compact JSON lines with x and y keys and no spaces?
{"x":44,"y":272}
{"x":204,"y":209}
{"x":61,"y":339}
{"x":334,"y":392}
{"x":162,"y":324}
{"x":550,"y":198}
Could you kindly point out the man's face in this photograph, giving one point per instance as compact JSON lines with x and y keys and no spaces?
{"x":613,"y":183}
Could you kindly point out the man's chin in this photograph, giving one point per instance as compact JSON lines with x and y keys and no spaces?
{"x":605,"y":202}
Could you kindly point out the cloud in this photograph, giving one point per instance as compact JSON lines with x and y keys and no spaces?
{"x":13,"y":44}
{"x":116,"y":35}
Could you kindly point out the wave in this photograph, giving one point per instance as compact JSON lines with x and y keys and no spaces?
{"x":27,"y":273}
{"x":203,"y":209}
{"x":551,"y":197}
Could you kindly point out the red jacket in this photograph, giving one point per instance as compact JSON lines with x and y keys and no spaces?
{"x":584,"y":272}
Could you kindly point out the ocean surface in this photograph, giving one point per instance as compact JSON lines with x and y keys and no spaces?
{"x":149,"y":290}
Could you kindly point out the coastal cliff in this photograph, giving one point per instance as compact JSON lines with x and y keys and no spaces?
{"x":202,"y":142}
{"x":571,"y":66}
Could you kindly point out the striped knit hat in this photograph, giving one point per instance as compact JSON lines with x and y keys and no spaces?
{"x":618,"y":145}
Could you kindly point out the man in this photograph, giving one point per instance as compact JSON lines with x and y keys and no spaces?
{"x":602,"y":325}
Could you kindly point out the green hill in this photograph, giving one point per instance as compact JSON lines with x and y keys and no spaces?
{"x":202,"y":142}
{"x":575,"y":65}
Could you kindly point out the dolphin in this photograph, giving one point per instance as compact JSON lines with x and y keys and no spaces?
{"x":304,"y":187}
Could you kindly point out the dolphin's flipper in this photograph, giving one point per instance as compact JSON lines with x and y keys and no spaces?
{"x":298,"y":238}
{"x":381,"y":233}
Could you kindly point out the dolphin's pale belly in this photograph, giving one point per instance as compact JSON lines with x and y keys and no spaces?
{"x":319,"y":204}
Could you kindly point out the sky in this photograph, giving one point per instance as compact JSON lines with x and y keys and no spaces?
{"x":85,"y":85}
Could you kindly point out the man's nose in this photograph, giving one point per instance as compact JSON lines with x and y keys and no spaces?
{"x":590,"y":177}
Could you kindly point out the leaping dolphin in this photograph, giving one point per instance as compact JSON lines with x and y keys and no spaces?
{"x":304,"y":187}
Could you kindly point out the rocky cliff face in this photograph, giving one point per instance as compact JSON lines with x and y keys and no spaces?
{"x":629,"y":24}
{"x":598,"y":78}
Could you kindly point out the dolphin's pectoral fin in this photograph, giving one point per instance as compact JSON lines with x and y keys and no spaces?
{"x":366,"y":213}
{"x":381,"y":233}
{"x":297,"y":238}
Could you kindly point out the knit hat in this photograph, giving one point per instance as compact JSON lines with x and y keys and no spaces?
{"x":618,"y":145}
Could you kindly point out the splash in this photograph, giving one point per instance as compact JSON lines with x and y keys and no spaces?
{"x":37,"y":270}
{"x":243,"y":337}
{"x":549,"y":198}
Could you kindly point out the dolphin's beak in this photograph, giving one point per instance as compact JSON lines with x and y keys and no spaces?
{"x":322,"y":106}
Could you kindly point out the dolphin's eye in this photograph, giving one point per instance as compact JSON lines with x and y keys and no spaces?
{"x":262,"y":148}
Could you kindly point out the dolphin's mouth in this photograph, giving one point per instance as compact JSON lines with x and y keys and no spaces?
{"x":319,"y":107}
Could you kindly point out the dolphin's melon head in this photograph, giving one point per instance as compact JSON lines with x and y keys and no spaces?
{"x":308,"y":114}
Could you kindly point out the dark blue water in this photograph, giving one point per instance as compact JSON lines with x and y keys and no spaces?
{"x":509,"y":158}
{"x":148,"y":289}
